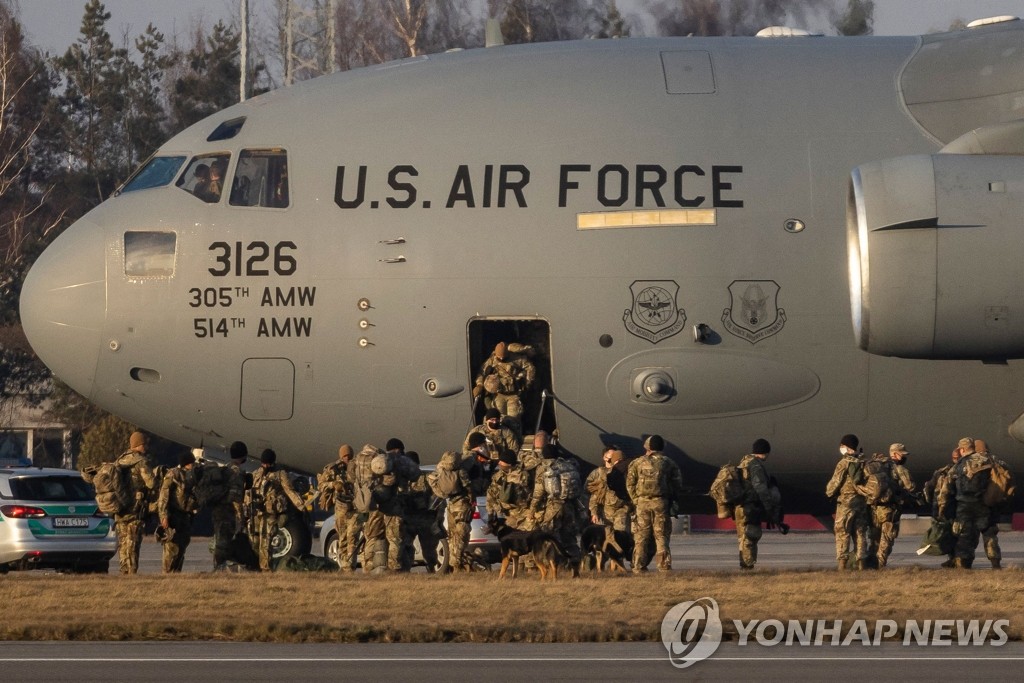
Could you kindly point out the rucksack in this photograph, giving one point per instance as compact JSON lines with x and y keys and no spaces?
{"x":114,"y":494}
{"x":648,"y":481}
{"x":877,"y":487}
{"x":326,"y":484}
{"x":727,"y":488}
{"x":364,"y":481}
{"x":153,"y":494}
{"x":1001,"y":485}
{"x":211,"y":484}
{"x":561,"y":480}
{"x":444,"y":481}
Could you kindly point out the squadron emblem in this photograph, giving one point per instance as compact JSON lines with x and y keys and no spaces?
{"x":654,"y":315}
{"x":757,"y":316}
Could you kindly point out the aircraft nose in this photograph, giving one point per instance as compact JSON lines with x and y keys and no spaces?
{"x":63,"y":305}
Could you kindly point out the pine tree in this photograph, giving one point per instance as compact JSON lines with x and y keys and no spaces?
{"x":211,"y":82}
{"x":611,"y":22}
{"x":858,"y":20}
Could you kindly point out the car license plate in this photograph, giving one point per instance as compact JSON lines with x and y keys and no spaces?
{"x":71,"y":522}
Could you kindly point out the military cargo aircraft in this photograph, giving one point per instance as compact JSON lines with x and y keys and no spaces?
{"x":680,"y":232}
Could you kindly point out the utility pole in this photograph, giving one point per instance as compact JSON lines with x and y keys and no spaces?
{"x":243,"y":79}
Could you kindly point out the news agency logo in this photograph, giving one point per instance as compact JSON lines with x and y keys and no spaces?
{"x":691,"y":632}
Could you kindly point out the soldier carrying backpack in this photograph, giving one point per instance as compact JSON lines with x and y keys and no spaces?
{"x":851,"y":524}
{"x":556,"y":497}
{"x":131,"y":481}
{"x":653,"y":482}
{"x":272,"y":492}
{"x":756,"y":504}
{"x":885,"y":486}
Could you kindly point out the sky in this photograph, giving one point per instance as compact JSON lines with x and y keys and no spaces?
{"x":53,"y":25}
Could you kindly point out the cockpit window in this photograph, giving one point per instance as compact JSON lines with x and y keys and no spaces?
{"x":204,"y":176}
{"x":156,"y":172}
{"x":149,"y":254}
{"x":227,"y":130}
{"x":261,"y":179}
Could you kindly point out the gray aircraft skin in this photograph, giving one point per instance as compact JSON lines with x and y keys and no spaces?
{"x":683,"y":230}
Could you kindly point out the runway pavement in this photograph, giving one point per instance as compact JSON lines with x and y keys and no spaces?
{"x":797,"y":550}
{"x":210,"y":661}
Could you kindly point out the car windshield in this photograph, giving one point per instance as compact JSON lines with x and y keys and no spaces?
{"x":51,"y":489}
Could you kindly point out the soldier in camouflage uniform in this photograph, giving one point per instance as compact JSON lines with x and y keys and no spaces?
{"x":851,"y":525}
{"x":229,"y":513}
{"x":653,"y":481}
{"x":938,"y":492}
{"x":557,"y":515}
{"x":394,"y":506}
{"x":271,"y":493}
{"x":508,"y":496}
{"x":458,"y":504}
{"x":176,"y":507}
{"x":885,"y":518}
{"x":129,"y":526}
{"x":990,"y":534}
{"x":969,"y":480}
{"x":758,"y":504}
{"x":499,"y":437}
{"x":336,"y":490}
{"x":609,"y":501}
{"x":504,"y":378}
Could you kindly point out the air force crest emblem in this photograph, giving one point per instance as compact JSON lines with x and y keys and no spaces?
{"x":654,"y":315}
{"x":754,"y":313}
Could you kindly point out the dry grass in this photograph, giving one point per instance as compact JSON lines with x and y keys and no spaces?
{"x":477,"y":608}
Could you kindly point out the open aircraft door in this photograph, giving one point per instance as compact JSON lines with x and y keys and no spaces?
{"x":527,"y":341}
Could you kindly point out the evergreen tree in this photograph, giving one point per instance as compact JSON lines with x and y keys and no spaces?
{"x":211,"y":82}
{"x":858,"y":20}
{"x":611,"y":23}
{"x":104,"y":441}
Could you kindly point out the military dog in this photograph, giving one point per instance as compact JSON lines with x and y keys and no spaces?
{"x":543,"y":547}
{"x":614,"y":547}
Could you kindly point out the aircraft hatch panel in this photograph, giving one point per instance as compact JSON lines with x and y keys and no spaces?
{"x":268,"y":389}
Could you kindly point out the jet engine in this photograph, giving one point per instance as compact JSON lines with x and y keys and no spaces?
{"x":936,"y":247}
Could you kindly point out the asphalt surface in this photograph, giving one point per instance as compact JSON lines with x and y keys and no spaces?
{"x":208,"y":661}
{"x":796,"y":550}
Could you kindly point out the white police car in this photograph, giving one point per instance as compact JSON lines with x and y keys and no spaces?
{"x":49,"y":519}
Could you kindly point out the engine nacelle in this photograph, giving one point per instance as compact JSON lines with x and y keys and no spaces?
{"x":936,"y":256}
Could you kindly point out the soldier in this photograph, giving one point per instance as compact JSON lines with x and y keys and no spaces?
{"x":369,"y":518}
{"x":271,"y":492}
{"x":938,"y":492}
{"x":499,"y":437}
{"x":851,"y":525}
{"x":508,"y":496}
{"x":970,"y":478}
{"x":229,"y":513}
{"x":504,"y":378}
{"x":450,"y":483}
{"x":758,"y":504}
{"x":334,"y":487}
{"x":553,"y":505}
{"x":421,"y":521}
{"x":476,"y":461}
{"x":885,"y":517}
{"x":653,"y":482}
{"x":990,"y":534}
{"x":394,"y":513}
{"x":609,"y":501}
{"x":129,"y":525}
{"x":176,"y":507}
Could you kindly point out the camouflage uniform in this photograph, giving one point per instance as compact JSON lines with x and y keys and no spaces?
{"x":508,"y":496}
{"x":228,"y":515}
{"x":885,"y":519}
{"x":335,"y":476}
{"x":459,"y":508}
{"x":556,"y":516}
{"x":272,"y":490}
{"x":500,"y":440}
{"x":129,"y":525}
{"x":393,"y":506}
{"x":606,"y":505}
{"x":503,"y":382}
{"x":757,"y":506}
{"x":176,"y":506}
{"x":970,"y":479}
{"x":653,"y":481}
{"x":851,"y":525}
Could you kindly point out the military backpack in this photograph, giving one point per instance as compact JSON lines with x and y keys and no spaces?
{"x":211,"y":484}
{"x":649,"y":475}
{"x":561,"y":480}
{"x":444,"y":481}
{"x":114,"y":493}
{"x":727,"y":488}
{"x":327,"y":484}
{"x":364,"y":481}
{"x":1001,"y":485}
{"x":877,"y":486}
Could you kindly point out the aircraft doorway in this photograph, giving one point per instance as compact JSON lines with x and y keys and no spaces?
{"x":528,"y":343}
